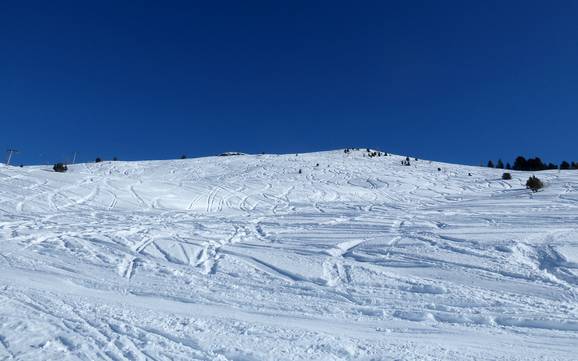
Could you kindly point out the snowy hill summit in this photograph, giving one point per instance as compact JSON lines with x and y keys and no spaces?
{"x":320,"y":256}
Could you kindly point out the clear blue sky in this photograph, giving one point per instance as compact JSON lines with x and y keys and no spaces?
{"x":460,"y":81}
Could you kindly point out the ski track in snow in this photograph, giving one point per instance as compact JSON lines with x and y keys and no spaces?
{"x":243,"y":258}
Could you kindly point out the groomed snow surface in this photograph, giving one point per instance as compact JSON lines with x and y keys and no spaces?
{"x":244,"y":258}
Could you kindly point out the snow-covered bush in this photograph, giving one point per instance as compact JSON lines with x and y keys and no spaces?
{"x":534,"y":183}
{"x":60,"y":167}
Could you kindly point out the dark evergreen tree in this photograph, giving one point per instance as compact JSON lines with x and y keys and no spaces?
{"x":98,"y":160}
{"x":506,"y":176}
{"x":490,"y":164}
{"x":535,"y":164}
{"x":500,"y":164}
{"x":520,"y":163}
{"x":508,"y":166}
{"x":565,"y":165}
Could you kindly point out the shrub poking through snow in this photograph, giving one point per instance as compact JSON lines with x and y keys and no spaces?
{"x":60,"y":167}
{"x":97,"y":160}
{"x":506,"y":176}
{"x":534,"y":183}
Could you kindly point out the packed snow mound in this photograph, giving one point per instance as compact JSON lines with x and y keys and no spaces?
{"x":320,"y":256}
{"x":228,"y":154}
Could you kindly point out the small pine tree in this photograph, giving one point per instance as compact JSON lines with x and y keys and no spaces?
{"x":490,"y":164}
{"x":508,"y":166}
{"x":97,"y":160}
{"x":500,"y":164}
{"x":565,"y":165}
{"x":534,"y":183}
{"x":184,"y":156}
{"x":506,"y":176}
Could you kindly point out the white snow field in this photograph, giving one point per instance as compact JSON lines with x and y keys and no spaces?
{"x":244,"y":258}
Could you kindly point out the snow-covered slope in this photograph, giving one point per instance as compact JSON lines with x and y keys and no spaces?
{"x":246,"y":258}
